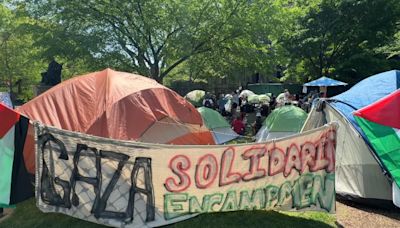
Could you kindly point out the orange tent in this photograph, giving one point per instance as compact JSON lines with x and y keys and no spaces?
{"x":119,"y":105}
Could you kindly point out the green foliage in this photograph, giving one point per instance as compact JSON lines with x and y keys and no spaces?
{"x":392,"y":49}
{"x":338,"y":38}
{"x":204,"y":40}
{"x":150,"y":37}
{"x":19,"y":67}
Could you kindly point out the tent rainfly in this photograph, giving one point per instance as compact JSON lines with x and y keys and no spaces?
{"x":219,"y":127}
{"x":283,"y":121}
{"x":120,"y":105}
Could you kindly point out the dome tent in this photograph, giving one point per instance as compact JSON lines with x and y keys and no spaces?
{"x":360,"y":174}
{"x":219,"y":127}
{"x":196,"y":97}
{"x":119,"y":105}
{"x":283,"y":121}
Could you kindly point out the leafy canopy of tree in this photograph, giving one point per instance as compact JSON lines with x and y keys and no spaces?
{"x":339,"y":37}
{"x":201,"y":39}
{"x":151,"y":37}
{"x":19,"y":68}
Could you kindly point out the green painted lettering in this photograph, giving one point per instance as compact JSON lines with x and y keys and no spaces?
{"x":230,"y":203}
{"x":253,"y":202}
{"x":174,"y":205}
{"x":271,"y":195}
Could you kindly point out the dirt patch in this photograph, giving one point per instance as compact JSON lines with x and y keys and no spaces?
{"x":350,"y":214}
{"x":7,"y":212}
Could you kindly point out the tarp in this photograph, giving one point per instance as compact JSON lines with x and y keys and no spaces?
{"x":130,"y":184}
{"x":219,"y":127}
{"x":325,"y":81}
{"x":359,"y":172}
{"x":246,"y":93}
{"x":283,"y":121}
{"x":119,"y":105}
{"x":253,"y":99}
{"x":264,"y":98}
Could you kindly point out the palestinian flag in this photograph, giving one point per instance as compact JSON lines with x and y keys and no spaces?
{"x":380,"y":122}
{"x":15,"y":181}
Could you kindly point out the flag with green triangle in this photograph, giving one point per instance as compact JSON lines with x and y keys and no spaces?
{"x":15,"y":181}
{"x":380,"y":123}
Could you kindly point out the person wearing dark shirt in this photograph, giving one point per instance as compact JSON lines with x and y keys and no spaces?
{"x":264,"y":110}
{"x":257,"y":123}
{"x":238,"y":126}
{"x":221,"y":104}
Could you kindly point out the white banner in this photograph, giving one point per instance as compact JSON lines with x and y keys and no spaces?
{"x":121,"y":183}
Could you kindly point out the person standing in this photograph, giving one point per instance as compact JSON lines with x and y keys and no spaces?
{"x":208,"y":102}
{"x":257,"y":123}
{"x":221,"y":104}
{"x":238,"y":126}
{"x":286,"y":97}
{"x":235,"y":98}
{"x":234,"y":111}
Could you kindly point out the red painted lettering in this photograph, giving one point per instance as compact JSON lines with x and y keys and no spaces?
{"x":226,"y":176}
{"x":254,"y":154}
{"x":206,"y":171}
{"x":276,"y":161}
{"x":320,"y":161}
{"x":307,"y":156}
{"x":292,"y":160}
{"x":178,"y":165}
{"x":330,"y":148}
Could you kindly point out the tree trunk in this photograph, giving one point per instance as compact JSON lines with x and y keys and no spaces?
{"x":155,"y":73}
{"x":8,"y":69}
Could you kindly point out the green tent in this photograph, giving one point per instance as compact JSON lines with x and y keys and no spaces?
{"x":253,"y":99}
{"x":196,"y":97}
{"x":217,"y":124}
{"x":282,"y":121}
{"x":262,"y":98}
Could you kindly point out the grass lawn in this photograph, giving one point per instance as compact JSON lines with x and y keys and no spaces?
{"x":27,"y":215}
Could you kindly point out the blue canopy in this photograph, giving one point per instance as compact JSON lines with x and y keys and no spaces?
{"x":366,"y":92}
{"x":325,"y":81}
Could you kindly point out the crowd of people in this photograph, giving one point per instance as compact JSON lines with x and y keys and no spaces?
{"x":236,"y":108}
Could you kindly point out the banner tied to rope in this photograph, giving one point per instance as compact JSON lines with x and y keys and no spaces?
{"x":130,"y":184}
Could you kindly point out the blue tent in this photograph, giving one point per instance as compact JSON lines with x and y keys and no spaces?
{"x":325,"y":81}
{"x":6,"y":99}
{"x":359,"y":173}
{"x":366,"y":92}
